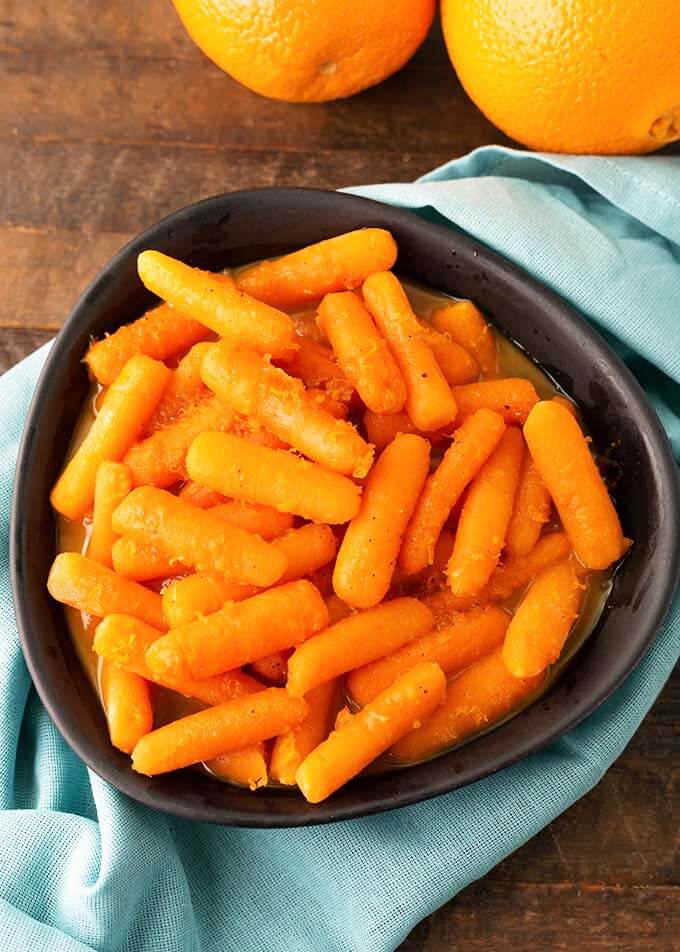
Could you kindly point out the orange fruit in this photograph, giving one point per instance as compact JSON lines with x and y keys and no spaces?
{"x":307,"y":50}
{"x":571,"y":75}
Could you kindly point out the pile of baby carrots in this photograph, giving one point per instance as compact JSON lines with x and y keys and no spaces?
{"x":311,"y":525}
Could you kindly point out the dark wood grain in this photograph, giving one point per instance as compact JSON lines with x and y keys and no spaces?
{"x":109,"y":119}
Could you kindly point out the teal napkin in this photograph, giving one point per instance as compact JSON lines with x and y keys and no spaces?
{"x":84,"y":868}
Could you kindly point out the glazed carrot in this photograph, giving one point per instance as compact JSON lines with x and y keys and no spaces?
{"x":563,"y":460}
{"x":471,"y":446}
{"x":218,"y":730}
{"x":201,"y":496}
{"x":429,"y":402}
{"x":184,"y":390}
{"x":262,"y":520}
{"x":274,"y":478}
{"x":476,"y":698}
{"x":253,"y":386}
{"x":290,"y":749}
{"x":186,"y":599}
{"x":246,"y":767}
{"x":337,"y":609}
{"x":95,"y":589}
{"x":512,"y":397}
{"x":362,"y":353}
{"x":240,"y":632}
{"x":465,"y":324}
{"x":316,"y":366}
{"x":127,"y":703}
{"x":515,"y":572}
{"x":359,"y":639}
{"x":457,"y":365}
{"x":112,"y":484}
{"x":307,"y":549}
{"x":123,"y":641}
{"x":381,"y":429}
{"x":160,"y":333}
{"x":196,"y":537}
{"x":128,"y":404}
{"x":159,"y":459}
{"x":408,"y":702}
{"x":336,"y":264}
{"x":252,"y":430}
{"x":143,"y":562}
{"x":368,"y":554}
{"x":273,"y":668}
{"x":531,"y":510}
{"x":214,"y":300}
{"x":485,"y":516}
{"x":542,"y":621}
{"x":327,"y":401}
{"x":468,"y":637}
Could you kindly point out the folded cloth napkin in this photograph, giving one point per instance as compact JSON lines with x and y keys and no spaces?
{"x":83,"y":867}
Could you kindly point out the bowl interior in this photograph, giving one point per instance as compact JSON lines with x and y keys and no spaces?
{"x":237,"y":228}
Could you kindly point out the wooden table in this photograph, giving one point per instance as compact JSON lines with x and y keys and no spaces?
{"x":111,"y":118}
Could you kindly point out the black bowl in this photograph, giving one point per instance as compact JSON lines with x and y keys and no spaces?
{"x":239,"y":227}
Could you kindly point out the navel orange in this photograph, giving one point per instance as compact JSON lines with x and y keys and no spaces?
{"x":307,"y":50}
{"x":571,"y":75}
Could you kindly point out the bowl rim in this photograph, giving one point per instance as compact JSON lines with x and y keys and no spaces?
{"x":126,"y":780}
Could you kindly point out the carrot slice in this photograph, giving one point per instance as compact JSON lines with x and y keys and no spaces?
{"x":360,"y":738}
{"x":368,"y":554}
{"x":336,"y":264}
{"x":563,"y":460}
{"x":218,"y":730}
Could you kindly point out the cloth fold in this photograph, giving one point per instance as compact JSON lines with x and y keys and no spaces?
{"x":82,"y":867}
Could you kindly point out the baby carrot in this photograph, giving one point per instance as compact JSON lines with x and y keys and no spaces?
{"x":273,"y":668}
{"x":316,"y":366}
{"x":362,"y":353}
{"x":184,"y":390}
{"x":471,"y":446}
{"x":143,"y":562}
{"x":485,"y":516}
{"x":128,"y":404}
{"x":365,"y":563}
{"x":262,"y":520}
{"x":246,"y":767}
{"x":512,"y":397}
{"x":200,"y":496}
{"x":564,"y":463}
{"x":359,"y":639}
{"x":127,"y":703}
{"x":290,"y":749}
{"x":457,"y":365}
{"x":112,"y":484}
{"x":381,"y":429}
{"x":531,"y":510}
{"x":218,"y":730}
{"x":516,"y":571}
{"x":160,"y":333}
{"x":196,"y":537}
{"x":253,"y":386}
{"x":307,"y":549}
{"x":240,"y":633}
{"x":542,"y":621}
{"x":159,"y":459}
{"x":123,"y":641}
{"x":364,"y":736}
{"x":464,"y":323}
{"x":468,"y":637}
{"x":476,"y":698}
{"x":336,"y":264}
{"x":215,"y":301}
{"x":429,"y":401}
{"x":95,"y":589}
{"x":186,"y":599}
{"x":274,"y":478}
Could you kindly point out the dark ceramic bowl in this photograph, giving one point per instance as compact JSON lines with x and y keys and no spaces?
{"x":243,"y":226}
